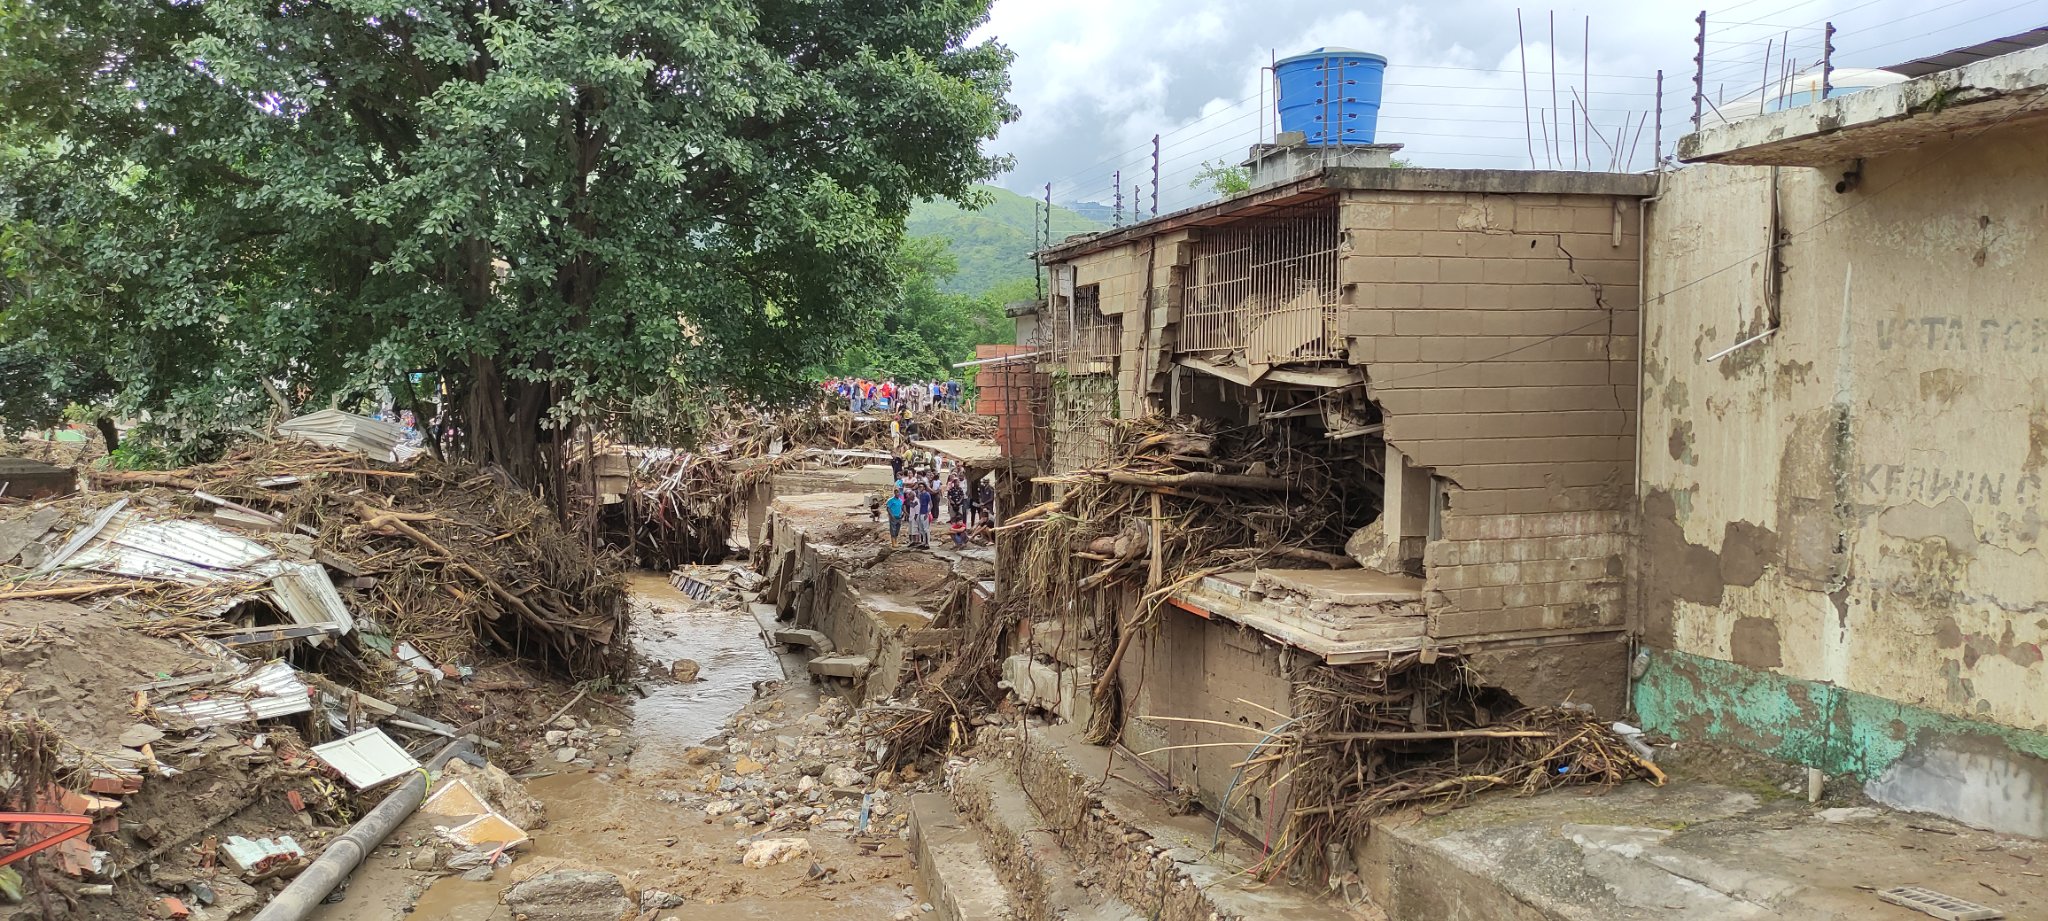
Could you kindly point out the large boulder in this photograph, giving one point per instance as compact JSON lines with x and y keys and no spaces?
{"x":570,"y":895}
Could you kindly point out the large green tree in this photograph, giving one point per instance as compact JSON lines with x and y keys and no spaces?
{"x":547,"y":205}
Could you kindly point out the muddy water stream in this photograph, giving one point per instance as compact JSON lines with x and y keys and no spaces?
{"x":613,"y":818}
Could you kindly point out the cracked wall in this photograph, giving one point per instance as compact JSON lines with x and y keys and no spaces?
{"x":1850,"y":510}
{"x":1498,"y":334}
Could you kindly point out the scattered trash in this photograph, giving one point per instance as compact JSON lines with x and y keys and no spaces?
{"x":260,"y":858}
{"x":367,"y":758}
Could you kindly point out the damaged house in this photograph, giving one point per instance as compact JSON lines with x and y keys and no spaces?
{"x":1448,"y":355}
{"x":1805,"y":522}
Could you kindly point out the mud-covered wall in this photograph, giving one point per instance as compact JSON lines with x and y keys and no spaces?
{"x":1841,"y":532}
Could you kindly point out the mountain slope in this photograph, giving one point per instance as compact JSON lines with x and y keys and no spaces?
{"x":992,"y":245}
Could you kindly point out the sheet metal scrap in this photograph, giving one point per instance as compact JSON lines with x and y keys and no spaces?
{"x":272,"y":691}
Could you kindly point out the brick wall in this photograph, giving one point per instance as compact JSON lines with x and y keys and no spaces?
{"x":1498,"y":334}
{"x":1013,"y":393}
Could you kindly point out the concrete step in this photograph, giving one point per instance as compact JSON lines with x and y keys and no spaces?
{"x":841,"y":666}
{"x":1047,"y":884}
{"x":1148,"y":856}
{"x":808,"y":639}
{"x":955,"y":872}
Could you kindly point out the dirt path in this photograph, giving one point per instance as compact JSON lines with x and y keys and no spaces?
{"x":665,"y":813}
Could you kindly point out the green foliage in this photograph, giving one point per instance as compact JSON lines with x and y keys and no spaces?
{"x":554,"y":207}
{"x":137,"y":454}
{"x":991,"y":243}
{"x":925,"y":329}
{"x":1223,"y":178}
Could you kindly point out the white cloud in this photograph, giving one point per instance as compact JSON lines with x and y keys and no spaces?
{"x":1096,"y":79}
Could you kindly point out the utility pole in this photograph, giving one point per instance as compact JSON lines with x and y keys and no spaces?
{"x":1699,"y":72}
{"x":1657,"y":139}
{"x":1037,"y":277}
{"x":1827,"y":61}
{"x":1117,"y":182}
{"x":1155,"y":176}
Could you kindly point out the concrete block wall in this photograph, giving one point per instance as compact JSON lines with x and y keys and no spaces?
{"x":1498,"y":332}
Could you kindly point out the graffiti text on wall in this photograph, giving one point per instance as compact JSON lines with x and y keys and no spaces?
{"x":1892,"y":483}
{"x":1964,"y":334}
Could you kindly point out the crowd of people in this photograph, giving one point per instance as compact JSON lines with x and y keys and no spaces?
{"x":922,"y":492}
{"x":864,"y":395}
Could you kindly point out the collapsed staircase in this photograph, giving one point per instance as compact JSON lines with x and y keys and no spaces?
{"x":1032,"y":832}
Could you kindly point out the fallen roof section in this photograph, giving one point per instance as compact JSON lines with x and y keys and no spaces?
{"x":2005,"y":90}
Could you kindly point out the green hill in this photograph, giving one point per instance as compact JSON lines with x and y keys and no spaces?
{"x":992,"y":245}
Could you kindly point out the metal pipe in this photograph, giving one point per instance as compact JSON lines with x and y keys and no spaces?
{"x":347,"y":852}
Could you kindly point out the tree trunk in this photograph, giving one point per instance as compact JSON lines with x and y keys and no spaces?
{"x":108,"y":432}
{"x":504,"y":423}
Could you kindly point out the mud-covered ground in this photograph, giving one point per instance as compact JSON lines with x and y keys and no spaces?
{"x":670,"y":797}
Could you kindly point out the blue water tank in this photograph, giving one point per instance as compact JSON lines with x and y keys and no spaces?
{"x":1332,"y":95}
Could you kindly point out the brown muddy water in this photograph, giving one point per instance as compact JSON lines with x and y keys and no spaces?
{"x":614,"y":818}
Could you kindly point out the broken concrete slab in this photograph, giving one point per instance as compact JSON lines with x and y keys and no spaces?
{"x":841,"y":666}
{"x":958,"y":878}
{"x":1342,"y":586}
{"x":808,"y":639}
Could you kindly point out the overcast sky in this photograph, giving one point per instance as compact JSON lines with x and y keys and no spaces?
{"x":1096,"y":79}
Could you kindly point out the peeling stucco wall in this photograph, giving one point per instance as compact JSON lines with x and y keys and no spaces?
{"x":1854,"y":503}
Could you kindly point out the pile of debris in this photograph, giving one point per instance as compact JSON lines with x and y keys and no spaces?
{"x":1419,"y":731}
{"x":451,"y":559}
{"x":1178,"y":502}
{"x":215,"y":664}
{"x":663,"y":508}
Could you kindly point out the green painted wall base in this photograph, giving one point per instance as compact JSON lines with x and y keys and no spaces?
{"x":1797,"y":721}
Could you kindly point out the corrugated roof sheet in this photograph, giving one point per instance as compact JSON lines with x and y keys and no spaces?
{"x":305,"y":594}
{"x":333,"y":428}
{"x":270,"y":692}
{"x":174,"y":549}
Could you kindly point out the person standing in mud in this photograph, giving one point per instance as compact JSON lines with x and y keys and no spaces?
{"x":956,"y":501}
{"x":896,"y":509}
{"x":920,"y":527}
{"x":985,"y":502}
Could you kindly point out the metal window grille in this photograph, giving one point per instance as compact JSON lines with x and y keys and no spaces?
{"x":1082,"y":336}
{"x":1080,"y":405}
{"x":1267,"y":287}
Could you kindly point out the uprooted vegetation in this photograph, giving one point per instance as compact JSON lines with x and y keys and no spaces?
{"x":173,"y":644}
{"x":1179,"y":501}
